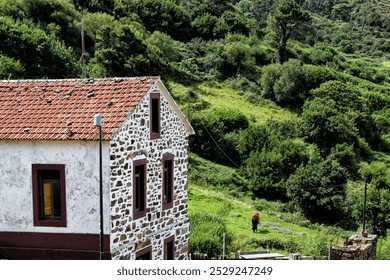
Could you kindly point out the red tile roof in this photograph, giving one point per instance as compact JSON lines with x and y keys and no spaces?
{"x":65,"y":109}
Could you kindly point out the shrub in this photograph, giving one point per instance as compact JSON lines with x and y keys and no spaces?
{"x":203,"y":26}
{"x":325,"y":126}
{"x":207,"y":234}
{"x":319,"y":188}
{"x":10,"y":68}
{"x":268,"y":168}
{"x":216,"y":138}
{"x":239,"y":59}
{"x":383,"y":247}
{"x":286,"y":84}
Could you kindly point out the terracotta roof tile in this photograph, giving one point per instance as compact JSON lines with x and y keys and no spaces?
{"x":64,"y":109}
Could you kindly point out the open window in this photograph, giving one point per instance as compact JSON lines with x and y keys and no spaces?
{"x":49,"y":195}
{"x":167,"y":189}
{"x":139,"y":188}
{"x":155,"y":127}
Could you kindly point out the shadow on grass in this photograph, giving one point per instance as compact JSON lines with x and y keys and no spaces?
{"x":263,"y":231}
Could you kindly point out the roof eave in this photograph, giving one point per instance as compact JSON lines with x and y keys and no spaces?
{"x":172,"y":103}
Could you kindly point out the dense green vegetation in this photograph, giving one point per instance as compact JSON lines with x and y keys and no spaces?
{"x":290,"y":99}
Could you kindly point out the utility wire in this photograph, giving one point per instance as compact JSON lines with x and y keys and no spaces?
{"x":215,"y":142}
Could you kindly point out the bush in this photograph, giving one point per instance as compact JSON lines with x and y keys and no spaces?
{"x":10,"y":68}
{"x":325,"y":126}
{"x":319,"y":188}
{"x":216,"y":138}
{"x":203,"y":26}
{"x":268,"y":168}
{"x":239,"y":58}
{"x":206,"y":234}
{"x":39,"y":54}
{"x":323,"y":54}
{"x":345,"y":155}
{"x":162,"y":15}
{"x":383,"y":247}
{"x":315,"y":245}
{"x":285,"y":84}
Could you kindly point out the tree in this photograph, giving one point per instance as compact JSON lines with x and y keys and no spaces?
{"x":268,"y":169}
{"x":39,"y":54}
{"x":95,"y":5}
{"x":349,"y":101}
{"x":200,"y":7}
{"x":325,"y":126}
{"x":377,"y":200}
{"x":239,"y":60}
{"x":238,"y":22}
{"x":121,"y":52}
{"x":56,"y":16}
{"x":216,"y":135}
{"x":286,"y":17}
{"x":162,"y":15}
{"x":286,"y":84}
{"x":259,"y":9}
{"x":203,"y":26}
{"x":319,"y":188}
{"x":9,"y":68}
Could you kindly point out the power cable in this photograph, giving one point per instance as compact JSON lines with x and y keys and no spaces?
{"x":215,"y":142}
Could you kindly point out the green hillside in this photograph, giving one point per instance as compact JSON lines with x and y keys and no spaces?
{"x":290,"y":101}
{"x":221,"y":194}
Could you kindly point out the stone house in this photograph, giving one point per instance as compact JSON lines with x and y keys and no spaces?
{"x":49,"y":170}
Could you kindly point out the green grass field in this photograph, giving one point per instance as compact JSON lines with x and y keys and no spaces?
{"x":278,"y":231}
{"x":281,"y":229}
{"x":224,"y":96}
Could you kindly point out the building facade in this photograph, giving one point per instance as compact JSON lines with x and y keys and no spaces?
{"x":49,"y":187}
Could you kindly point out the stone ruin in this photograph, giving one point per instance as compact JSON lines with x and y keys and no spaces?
{"x":357,"y":247}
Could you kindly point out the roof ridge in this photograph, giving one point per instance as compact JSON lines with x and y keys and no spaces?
{"x":81,"y":79}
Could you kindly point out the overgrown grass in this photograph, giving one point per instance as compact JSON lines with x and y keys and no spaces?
{"x":279,"y":230}
{"x":214,"y":96}
{"x":215,"y":190}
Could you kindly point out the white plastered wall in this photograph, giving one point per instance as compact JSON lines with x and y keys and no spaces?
{"x":81,"y":160}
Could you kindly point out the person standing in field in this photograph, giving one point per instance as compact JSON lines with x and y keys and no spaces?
{"x":255,"y":221}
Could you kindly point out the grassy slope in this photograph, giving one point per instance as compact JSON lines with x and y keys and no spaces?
{"x":221,"y":95}
{"x":279,"y":230}
{"x":226,"y":97}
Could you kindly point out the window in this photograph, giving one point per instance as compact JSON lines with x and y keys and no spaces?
{"x":144,"y":254}
{"x":167,"y":190}
{"x":169,"y":248}
{"x":49,"y":203}
{"x":139,"y":188}
{"x":154,"y":115}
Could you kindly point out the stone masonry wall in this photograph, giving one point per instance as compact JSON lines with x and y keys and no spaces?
{"x":357,"y":247}
{"x":130,"y":143}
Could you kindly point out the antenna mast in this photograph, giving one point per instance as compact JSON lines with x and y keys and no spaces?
{"x":364,"y":233}
{"x":83,"y":53}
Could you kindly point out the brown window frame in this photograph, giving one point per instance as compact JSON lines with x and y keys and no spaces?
{"x":155,"y":115}
{"x":168,"y":165}
{"x":144,"y":251}
{"x":37,"y":185}
{"x":139,"y":189}
{"x":170,"y":241}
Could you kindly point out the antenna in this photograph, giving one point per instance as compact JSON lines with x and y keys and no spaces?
{"x":364,"y":233}
{"x":83,"y":53}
